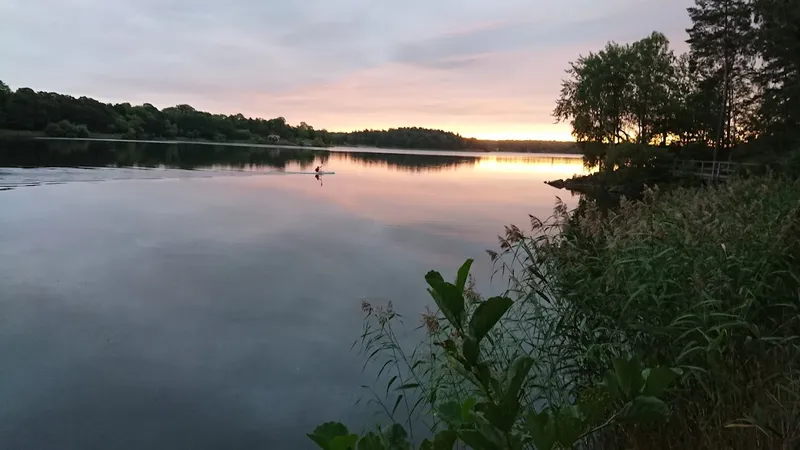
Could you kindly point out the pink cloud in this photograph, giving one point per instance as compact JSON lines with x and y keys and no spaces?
{"x":511,"y":93}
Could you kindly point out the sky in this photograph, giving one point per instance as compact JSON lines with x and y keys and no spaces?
{"x":483,"y":68}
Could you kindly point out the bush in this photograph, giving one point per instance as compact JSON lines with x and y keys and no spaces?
{"x":66,"y":129}
{"x":638,"y":157}
{"x":705,"y":279}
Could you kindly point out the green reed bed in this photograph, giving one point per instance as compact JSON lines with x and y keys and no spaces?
{"x":670,"y":322}
{"x":706,"y":280}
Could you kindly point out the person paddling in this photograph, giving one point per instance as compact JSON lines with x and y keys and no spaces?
{"x":318,"y":169}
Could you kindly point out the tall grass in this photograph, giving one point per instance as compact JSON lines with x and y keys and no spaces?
{"x":706,"y":280}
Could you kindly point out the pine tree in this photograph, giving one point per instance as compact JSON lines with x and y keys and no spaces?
{"x":5,"y":94}
{"x":778,"y":43}
{"x":721,"y":39}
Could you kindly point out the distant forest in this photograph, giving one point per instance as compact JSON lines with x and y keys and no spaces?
{"x":27,"y":112}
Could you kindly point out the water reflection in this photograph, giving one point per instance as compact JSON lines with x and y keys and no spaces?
{"x":41,"y":153}
{"x":410,"y":162}
{"x":193,"y":156}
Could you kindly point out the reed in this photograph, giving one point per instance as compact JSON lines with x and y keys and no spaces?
{"x":701,"y":281}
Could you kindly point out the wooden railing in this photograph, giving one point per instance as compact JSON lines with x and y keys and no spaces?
{"x":708,"y":170}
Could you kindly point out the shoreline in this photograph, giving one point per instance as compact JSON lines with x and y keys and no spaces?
{"x":159,"y":141}
{"x":336,"y":149}
{"x":103,"y":137}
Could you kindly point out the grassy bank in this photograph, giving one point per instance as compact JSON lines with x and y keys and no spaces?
{"x":671,"y":322}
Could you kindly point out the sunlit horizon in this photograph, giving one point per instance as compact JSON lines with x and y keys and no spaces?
{"x":549,"y":132}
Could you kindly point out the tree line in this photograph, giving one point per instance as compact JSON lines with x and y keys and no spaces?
{"x":424,"y":138}
{"x":58,"y":115}
{"x":63,"y":115}
{"x":738,"y":85}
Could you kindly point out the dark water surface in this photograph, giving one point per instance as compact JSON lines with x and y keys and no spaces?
{"x":190,"y":297}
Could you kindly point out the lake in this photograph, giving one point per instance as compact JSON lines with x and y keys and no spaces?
{"x":177,"y":296}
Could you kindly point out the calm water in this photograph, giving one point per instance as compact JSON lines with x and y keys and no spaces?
{"x":193,"y":297}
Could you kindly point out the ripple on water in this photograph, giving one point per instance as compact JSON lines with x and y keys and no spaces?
{"x":13,"y":177}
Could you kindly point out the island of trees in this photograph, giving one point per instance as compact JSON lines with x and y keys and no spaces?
{"x":27,"y":112}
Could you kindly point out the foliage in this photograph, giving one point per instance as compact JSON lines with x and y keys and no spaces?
{"x":620,"y":94}
{"x":414,"y":138}
{"x":26,"y":109}
{"x":721,"y":39}
{"x":65,"y":128}
{"x":778,"y":44}
{"x":474,"y":378}
{"x":706,"y":279}
{"x":638,"y":156}
{"x":5,"y":94}
{"x":737,"y":84}
{"x":426,"y":139}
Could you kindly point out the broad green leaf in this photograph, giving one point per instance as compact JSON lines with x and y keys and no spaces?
{"x":463,"y":274}
{"x":492,"y":434}
{"x":470,"y":350}
{"x":486,"y":315}
{"x":485,"y":373}
{"x":433,"y":276}
{"x":629,"y":373}
{"x":612,"y":384}
{"x":658,"y":379}
{"x":444,"y":440}
{"x":642,"y":409}
{"x":542,"y":430}
{"x":450,"y":412}
{"x":371,"y":441}
{"x":476,"y":440}
{"x":502,"y":416}
{"x":395,"y":437}
{"x":448,"y":298}
{"x":325,"y":433}
{"x":467,"y":409}
{"x":569,"y":425}
{"x":347,"y":442}
{"x":517,"y":374}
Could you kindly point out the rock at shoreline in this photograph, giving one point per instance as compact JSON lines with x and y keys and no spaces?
{"x":558,"y":184}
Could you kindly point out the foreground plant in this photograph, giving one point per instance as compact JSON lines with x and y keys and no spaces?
{"x":496,"y":416}
{"x":704,"y":279}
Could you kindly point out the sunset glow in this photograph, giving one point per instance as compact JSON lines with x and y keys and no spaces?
{"x":490,"y":70}
{"x":539,"y":165}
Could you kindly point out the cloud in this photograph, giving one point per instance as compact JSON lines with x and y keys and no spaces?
{"x":535,"y":34}
{"x":417,"y":60}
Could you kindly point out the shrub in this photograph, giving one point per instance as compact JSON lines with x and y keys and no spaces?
{"x":67,"y":129}
{"x":705,"y":279}
{"x":638,"y":157}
